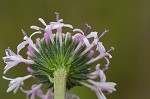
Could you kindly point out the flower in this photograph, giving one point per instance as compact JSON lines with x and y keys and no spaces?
{"x":53,"y":25}
{"x":34,"y":91}
{"x":103,"y":54}
{"x":28,"y":40}
{"x":11,"y":59}
{"x":63,"y":55}
{"x":102,"y":86}
{"x":16,"y":83}
{"x":83,"y":37}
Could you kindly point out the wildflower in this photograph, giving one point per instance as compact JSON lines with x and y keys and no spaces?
{"x":103,"y":54}
{"x":102,"y":86}
{"x":61,"y":61}
{"x":83,"y":37}
{"x":28,"y":40}
{"x":34,"y":91}
{"x":11,"y":59}
{"x":16,"y":83}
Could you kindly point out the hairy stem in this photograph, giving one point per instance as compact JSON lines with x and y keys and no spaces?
{"x":60,"y":76}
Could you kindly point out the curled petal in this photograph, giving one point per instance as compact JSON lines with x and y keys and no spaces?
{"x":103,"y":54}
{"x":42,"y":21}
{"x":100,"y":47}
{"x":21,"y":46}
{"x":107,"y":87}
{"x":98,"y":73}
{"x":34,"y":91}
{"x":102,"y":76}
{"x":49,"y":31}
{"x":60,"y":25}
{"x":38,"y":32}
{"x":103,"y":87}
{"x":9,"y":52}
{"x":92,"y":34}
{"x":78,"y":30}
{"x":98,"y":92}
{"x":9,"y":66}
{"x":77,"y":36}
{"x":35,"y":27}
{"x":86,"y":41}
{"x":68,"y":25}
{"x":59,"y":21}
{"x":107,"y":64}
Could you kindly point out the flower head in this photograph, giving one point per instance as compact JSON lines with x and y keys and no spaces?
{"x":57,"y":50}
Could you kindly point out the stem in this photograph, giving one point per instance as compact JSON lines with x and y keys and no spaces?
{"x":60,"y":76}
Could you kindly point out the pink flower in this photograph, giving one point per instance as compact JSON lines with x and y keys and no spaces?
{"x":53,"y":25}
{"x":16,"y":83}
{"x":28,"y":40}
{"x":102,"y":54}
{"x":11,"y":60}
{"x":82,"y":37}
{"x":74,"y":54}
{"x":34,"y":91}
{"x":102,"y":87}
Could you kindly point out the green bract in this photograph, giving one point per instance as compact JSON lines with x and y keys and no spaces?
{"x":54,"y":56}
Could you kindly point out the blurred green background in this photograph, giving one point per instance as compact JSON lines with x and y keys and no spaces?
{"x":128,"y":22}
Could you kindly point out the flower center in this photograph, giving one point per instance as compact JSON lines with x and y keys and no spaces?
{"x":53,"y":56}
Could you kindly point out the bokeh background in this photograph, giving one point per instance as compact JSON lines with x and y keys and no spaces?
{"x":128,"y":22}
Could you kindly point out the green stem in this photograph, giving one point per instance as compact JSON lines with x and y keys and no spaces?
{"x":60,"y":76}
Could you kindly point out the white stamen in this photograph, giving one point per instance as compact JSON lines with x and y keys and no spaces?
{"x":103,"y":34}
